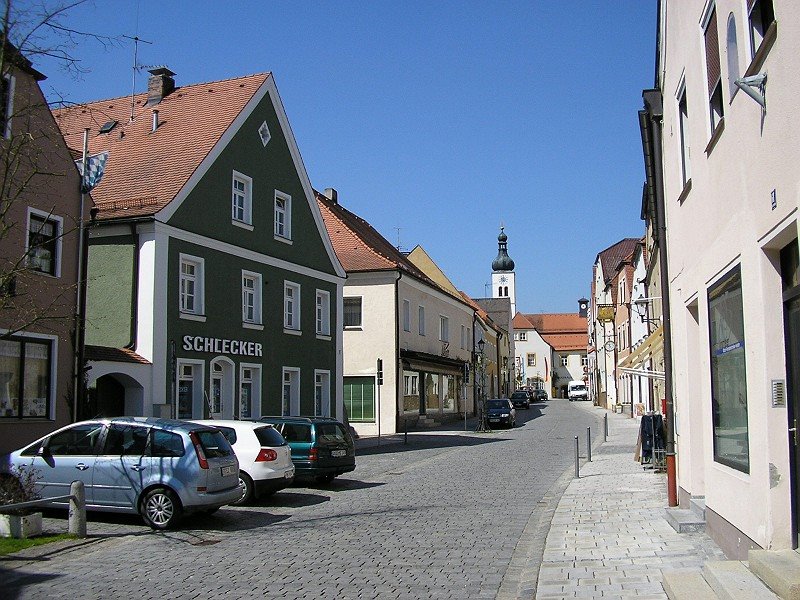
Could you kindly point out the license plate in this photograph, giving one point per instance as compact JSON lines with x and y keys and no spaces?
{"x":229,"y":470}
{"x":494,"y":420}
{"x":338,"y":452}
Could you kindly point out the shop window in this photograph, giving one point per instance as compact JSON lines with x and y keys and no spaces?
{"x":410,"y":391}
{"x":359,"y":399}
{"x":25,"y":378}
{"x":729,"y":373}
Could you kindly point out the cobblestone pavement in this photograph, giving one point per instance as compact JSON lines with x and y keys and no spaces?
{"x":608,"y":537}
{"x":453,"y":514}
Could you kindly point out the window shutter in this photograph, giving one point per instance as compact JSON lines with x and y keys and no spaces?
{"x":712,"y":52}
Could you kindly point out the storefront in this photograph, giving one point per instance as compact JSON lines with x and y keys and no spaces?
{"x":432,"y":387}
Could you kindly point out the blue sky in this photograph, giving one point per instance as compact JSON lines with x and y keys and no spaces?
{"x":442,"y":119}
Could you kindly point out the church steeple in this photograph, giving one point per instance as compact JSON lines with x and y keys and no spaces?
{"x":503,"y":261}
{"x":503,"y":277}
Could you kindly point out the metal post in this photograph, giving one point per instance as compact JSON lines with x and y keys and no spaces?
{"x":589,"y":443}
{"x":577,"y":458}
{"x":405,"y":431}
{"x":77,"y":509}
{"x":605,"y":429}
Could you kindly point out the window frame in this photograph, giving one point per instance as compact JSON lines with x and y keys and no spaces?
{"x":56,"y":240}
{"x":246,"y":208}
{"x":683,"y":132}
{"x":564,"y":360}
{"x":290,"y":376}
{"x":199,"y":280}
{"x":444,"y":328}
{"x":322,"y":383}
{"x":291,"y":307}
{"x":255,"y":292}
{"x":421,"y":317}
{"x":530,"y":359}
{"x":282,"y":229}
{"x":254,"y":380}
{"x":50,"y":343}
{"x":407,"y":316}
{"x":323,"y":313}
{"x":759,"y":28}
{"x":350,"y":300}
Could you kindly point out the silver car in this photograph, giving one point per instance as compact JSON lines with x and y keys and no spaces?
{"x":158,"y":468}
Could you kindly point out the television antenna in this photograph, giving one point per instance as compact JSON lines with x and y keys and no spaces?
{"x":135,"y":39}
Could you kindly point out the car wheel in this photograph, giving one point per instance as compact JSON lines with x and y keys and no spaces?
{"x":161,"y":508}
{"x":246,"y":483}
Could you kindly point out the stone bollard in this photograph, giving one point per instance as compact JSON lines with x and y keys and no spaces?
{"x":577,"y":458}
{"x":77,"y":509}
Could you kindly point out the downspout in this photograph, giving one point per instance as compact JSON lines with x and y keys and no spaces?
{"x":397,"y":360}
{"x":653,"y":106}
{"x":80,"y":300}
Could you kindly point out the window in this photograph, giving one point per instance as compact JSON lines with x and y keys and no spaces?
{"x":728,"y":373}
{"x":410,"y":391}
{"x":463,"y":337}
{"x":531,"y":360}
{"x":80,"y":440}
{"x":683,"y":128}
{"x":322,"y":393}
{"x":165,"y":443}
{"x":761,"y":17}
{"x":584,"y":361}
{"x":323,"y":321}
{"x":564,"y":361}
{"x":421,"y":320}
{"x":444,"y":329}
{"x":25,"y":378}
{"x":732,"y":47}
{"x":186,"y":386}
{"x":44,"y":243}
{"x":291,"y":306}
{"x":249,"y":390}
{"x":283,"y":215}
{"x":290,"y":397}
{"x":251,"y":297}
{"x":6,"y":105}
{"x":191,"y":285}
{"x":622,"y":295}
{"x":713,"y":71}
{"x":125,"y":440}
{"x":406,"y":315}
{"x":352,"y":312}
{"x":359,"y":399}
{"x":242,"y":203}
{"x":523,"y":336}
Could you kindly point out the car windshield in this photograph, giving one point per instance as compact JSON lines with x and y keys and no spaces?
{"x":331,"y":432}
{"x":498,"y":403}
{"x":522,"y":395}
{"x":579,"y":388}
{"x":267,"y":436}
{"x":214,"y":443}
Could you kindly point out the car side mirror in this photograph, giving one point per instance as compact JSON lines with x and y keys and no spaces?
{"x":43,"y":452}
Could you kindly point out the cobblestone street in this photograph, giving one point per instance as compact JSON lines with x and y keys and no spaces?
{"x":452,"y":514}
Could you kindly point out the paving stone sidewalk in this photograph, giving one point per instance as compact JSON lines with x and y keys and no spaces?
{"x":608,"y":537}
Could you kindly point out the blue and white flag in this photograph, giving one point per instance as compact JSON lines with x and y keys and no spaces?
{"x":95,"y":167}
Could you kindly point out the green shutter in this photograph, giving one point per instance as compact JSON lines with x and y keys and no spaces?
{"x":359,"y":399}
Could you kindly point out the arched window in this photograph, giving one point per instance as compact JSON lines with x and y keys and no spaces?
{"x":500,"y":292}
{"x":733,"y":55}
{"x":506,"y":291}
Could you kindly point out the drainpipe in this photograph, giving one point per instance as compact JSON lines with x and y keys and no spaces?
{"x":397,"y":359}
{"x":655,"y":113}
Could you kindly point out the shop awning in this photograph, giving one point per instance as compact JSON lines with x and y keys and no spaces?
{"x":635,"y":362}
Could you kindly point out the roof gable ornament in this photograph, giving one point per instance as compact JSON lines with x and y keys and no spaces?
{"x":264,"y":134}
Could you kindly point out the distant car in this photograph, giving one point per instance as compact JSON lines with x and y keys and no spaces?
{"x":322,"y":448}
{"x":541,"y":395}
{"x":265,"y":458}
{"x":158,"y":468}
{"x":521,"y":399}
{"x":501,"y":412}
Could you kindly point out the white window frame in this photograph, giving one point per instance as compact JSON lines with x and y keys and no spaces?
{"x":254,"y":293}
{"x":360,"y":311}
{"x":197,"y":313}
{"x":323,"y":313}
{"x":564,"y":360}
{"x":291,"y":307}
{"x":59,"y":223}
{"x":421,"y":314}
{"x":523,"y":336}
{"x":463,"y":337}
{"x":283,"y":229}
{"x":584,"y":361}
{"x":683,"y":133}
{"x":407,"y":315}
{"x":255,"y":389}
{"x":290,"y":377}
{"x":242,"y":212}
{"x":444,"y":328}
{"x":322,"y":385}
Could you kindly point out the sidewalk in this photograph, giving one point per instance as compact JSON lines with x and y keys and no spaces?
{"x":608,"y":537}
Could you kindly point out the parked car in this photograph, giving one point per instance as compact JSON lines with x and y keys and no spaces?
{"x":541,"y":395}
{"x":322,"y":448}
{"x":265,"y":459}
{"x":501,"y":412}
{"x":158,"y":468}
{"x":521,"y":399}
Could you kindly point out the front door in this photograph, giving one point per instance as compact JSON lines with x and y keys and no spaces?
{"x":790,"y":274}
{"x":216,"y":396}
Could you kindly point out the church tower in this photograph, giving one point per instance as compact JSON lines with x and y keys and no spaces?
{"x":503,"y":277}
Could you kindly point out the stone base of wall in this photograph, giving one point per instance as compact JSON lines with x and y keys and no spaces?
{"x":729,"y":538}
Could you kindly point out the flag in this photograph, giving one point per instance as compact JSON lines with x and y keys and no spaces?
{"x":95,"y":167}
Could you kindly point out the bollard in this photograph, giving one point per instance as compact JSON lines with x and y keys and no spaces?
{"x":589,"y":443}
{"x":77,"y":509}
{"x":577,"y":457}
{"x":605,"y":430}
{"x":405,"y":432}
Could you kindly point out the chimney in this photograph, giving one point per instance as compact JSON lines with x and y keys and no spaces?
{"x":160,"y":85}
{"x":155,"y":119}
{"x":332,"y":195}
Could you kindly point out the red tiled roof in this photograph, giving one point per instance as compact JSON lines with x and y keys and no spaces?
{"x":104,"y":353}
{"x":566,"y":341}
{"x":611,"y":257}
{"x":359,"y":246}
{"x":146,"y":170}
{"x":520,"y":321}
{"x":563,"y":331}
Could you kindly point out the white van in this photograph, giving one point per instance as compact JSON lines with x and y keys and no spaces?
{"x":576,"y":390}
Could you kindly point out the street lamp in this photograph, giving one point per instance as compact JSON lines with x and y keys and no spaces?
{"x":483,"y":424}
{"x":642,"y":306}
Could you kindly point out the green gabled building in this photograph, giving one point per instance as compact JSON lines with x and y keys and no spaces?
{"x":213,"y":287}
